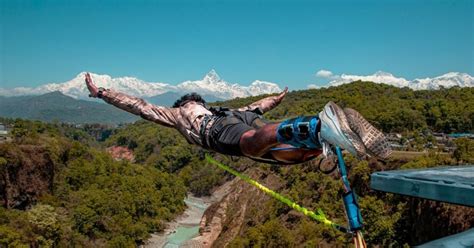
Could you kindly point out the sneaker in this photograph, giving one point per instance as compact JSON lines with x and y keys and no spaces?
{"x":373,"y":139}
{"x":336,"y":130}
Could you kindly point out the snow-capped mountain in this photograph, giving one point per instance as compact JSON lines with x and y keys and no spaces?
{"x":447,"y":80}
{"x":378,"y":77}
{"x":77,"y":88}
{"x":211,"y":84}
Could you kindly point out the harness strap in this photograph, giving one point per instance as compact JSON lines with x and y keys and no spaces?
{"x":220,"y":111}
{"x":207,"y":122}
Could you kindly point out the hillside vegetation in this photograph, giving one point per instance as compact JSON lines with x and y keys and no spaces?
{"x":82,"y":197}
{"x":57,"y":192}
{"x":56,"y":106}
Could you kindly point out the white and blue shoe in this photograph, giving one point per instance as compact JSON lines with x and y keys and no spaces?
{"x":374,"y":140}
{"x":336,"y":131}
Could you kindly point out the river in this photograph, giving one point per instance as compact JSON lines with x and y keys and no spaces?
{"x":186,"y":226}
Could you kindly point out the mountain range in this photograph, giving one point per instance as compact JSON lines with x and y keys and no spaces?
{"x":447,"y":80}
{"x":211,"y":86}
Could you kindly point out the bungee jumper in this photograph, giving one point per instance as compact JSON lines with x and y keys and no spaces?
{"x":243,"y":131}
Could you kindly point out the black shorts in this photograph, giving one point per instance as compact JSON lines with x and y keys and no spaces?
{"x":226,"y":131}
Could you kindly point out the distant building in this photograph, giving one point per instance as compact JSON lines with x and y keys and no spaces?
{"x":461,"y":135}
{"x":3,"y":129}
{"x":3,"y":133}
{"x":394,"y":137}
{"x":396,"y":141}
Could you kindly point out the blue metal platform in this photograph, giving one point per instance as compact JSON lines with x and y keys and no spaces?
{"x":453,"y":184}
{"x":460,"y":240}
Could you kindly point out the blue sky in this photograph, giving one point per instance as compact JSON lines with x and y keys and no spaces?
{"x":285,"y":42}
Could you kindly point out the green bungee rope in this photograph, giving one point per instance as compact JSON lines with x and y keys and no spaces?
{"x":319,"y":216}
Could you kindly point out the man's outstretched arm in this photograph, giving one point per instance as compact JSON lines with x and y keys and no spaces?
{"x":161,"y":115}
{"x":265,"y":104}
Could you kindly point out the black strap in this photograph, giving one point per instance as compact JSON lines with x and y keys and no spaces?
{"x":202,"y":130}
{"x":220,"y":111}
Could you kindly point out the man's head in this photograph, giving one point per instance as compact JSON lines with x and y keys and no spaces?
{"x":192,"y":97}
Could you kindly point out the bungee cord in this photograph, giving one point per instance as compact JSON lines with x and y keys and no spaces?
{"x":318,"y":215}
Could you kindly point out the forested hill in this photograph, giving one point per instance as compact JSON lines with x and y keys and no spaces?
{"x":390,"y":108}
{"x":56,"y":106}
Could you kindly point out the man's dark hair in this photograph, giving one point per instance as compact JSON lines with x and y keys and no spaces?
{"x":194,"y":97}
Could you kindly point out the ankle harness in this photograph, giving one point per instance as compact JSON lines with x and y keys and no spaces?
{"x":301,"y":132}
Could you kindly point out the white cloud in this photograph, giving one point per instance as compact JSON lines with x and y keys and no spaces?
{"x":312,"y":86}
{"x":324,"y":74}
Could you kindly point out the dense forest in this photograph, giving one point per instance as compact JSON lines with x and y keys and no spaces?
{"x":60,"y":191}
{"x":60,"y":188}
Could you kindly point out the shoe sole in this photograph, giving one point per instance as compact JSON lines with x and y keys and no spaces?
{"x":334,"y":119}
{"x":373,"y":139}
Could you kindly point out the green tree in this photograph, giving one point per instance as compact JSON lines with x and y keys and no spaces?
{"x":464,"y":152}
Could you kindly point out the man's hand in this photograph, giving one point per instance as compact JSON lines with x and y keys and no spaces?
{"x":94,"y":91}
{"x":282,"y":95}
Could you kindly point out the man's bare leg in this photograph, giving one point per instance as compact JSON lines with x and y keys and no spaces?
{"x":294,"y":155}
{"x":257,"y":142}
